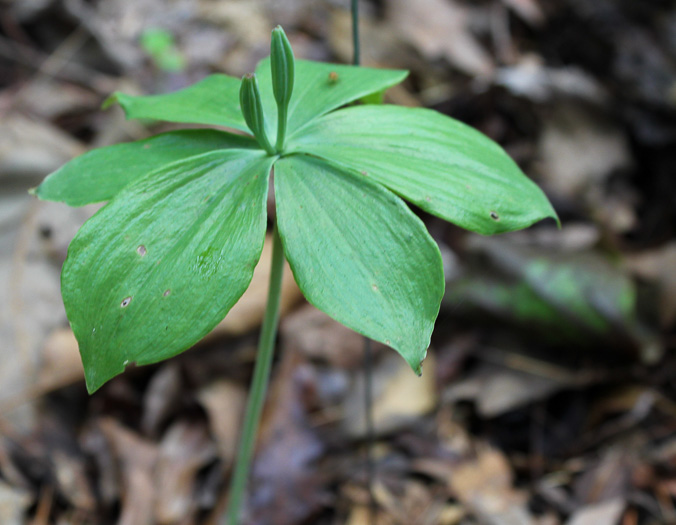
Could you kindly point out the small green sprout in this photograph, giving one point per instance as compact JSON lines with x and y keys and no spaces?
{"x":161,"y":47}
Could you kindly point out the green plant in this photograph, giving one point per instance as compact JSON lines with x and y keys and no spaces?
{"x":175,"y":247}
{"x":161,"y":47}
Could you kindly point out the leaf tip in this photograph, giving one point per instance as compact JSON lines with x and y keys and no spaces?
{"x":416,"y":364}
{"x":112,"y":99}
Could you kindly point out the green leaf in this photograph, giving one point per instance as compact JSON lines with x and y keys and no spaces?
{"x":160,"y":265}
{"x":100,"y":174}
{"x":320,"y":88}
{"x":213,"y":101}
{"x":565,"y":298}
{"x":359,"y":254}
{"x":443,"y":166}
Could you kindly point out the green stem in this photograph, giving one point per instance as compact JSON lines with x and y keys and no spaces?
{"x":355,"y":32}
{"x":259,"y":385}
{"x":281,"y":127}
{"x":368,"y":355}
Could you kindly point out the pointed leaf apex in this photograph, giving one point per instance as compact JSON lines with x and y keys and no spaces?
{"x":112,"y":99}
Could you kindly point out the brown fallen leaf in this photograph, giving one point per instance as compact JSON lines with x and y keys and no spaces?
{"x":319,"y":338}
{"x":162,"y":397}
{"x":224,"y":402}
{"x":658,"y":266}
{"x":408,"y":501}
{"x":247,"y":314}
{"x":13,"y":504}
{"x":485,"y":486}
{"x":528,"y":10}
{"x":605,"y":513}
{"x":607,"y":480}
{"x":580,"y":149}
{"x":137,"y":459}
{"x":185,"y":449}
{"x":31,"y":148}
{"x":497,"y":390}
{"x":440,"y":29}
{"x":287,"y":487}
{"x":61,"y":364}
{"x":399,"y":396}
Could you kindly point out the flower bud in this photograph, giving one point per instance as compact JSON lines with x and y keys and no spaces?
{"x":252,"y":110}
{"x":283,"y":66}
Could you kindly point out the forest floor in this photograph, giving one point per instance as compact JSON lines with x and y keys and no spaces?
{"x":549,"y":393}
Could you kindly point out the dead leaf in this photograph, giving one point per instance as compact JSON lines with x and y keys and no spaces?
{"x":61,"y":364}
{"x":72,"y":479}
{"x":33,"y":148}
{"x":137,"y":459}
{"x":529,"y":10}
{"x":579,"y":149}
{"x":287,"y":486}
{"x":162,"y":398}
{"x":224,"y":402}
{"x":399,"y":396}
{"x":185,"y":449}
{"x":607,"y":480}
{"x":440,"y":29}
{"x":485,"y":486}
{"x":658,"y":266}
{"x":247,"y":314}
{"x":49,"y":99}
{"x":497,"y":390}
{"x":318,"y":337}
{"x":604,"y":513}
{"x":530,"y":77}
{"x":13,"y":505}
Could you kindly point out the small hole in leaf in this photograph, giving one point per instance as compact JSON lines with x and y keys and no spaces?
{"x":388,"y":342}
{"x":166,"y":293}
{"x":141,"y":250}
{"x":125,"y":302}
{"x":495,"y":216}
{"x":428,"y":198}
{"x":375,"y":287}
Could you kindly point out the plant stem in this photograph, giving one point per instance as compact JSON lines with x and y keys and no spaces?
{"x":281,"y":128}
{"x":259,"y":385}
{"x":368,"y":352}
{"x":355,"y":32}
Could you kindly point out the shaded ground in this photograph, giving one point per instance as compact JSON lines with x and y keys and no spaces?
{"x":549,"y":394}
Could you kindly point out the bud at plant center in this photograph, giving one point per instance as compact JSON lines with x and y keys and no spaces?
{"x":283,"y":66}
{"x":252,"y":110}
